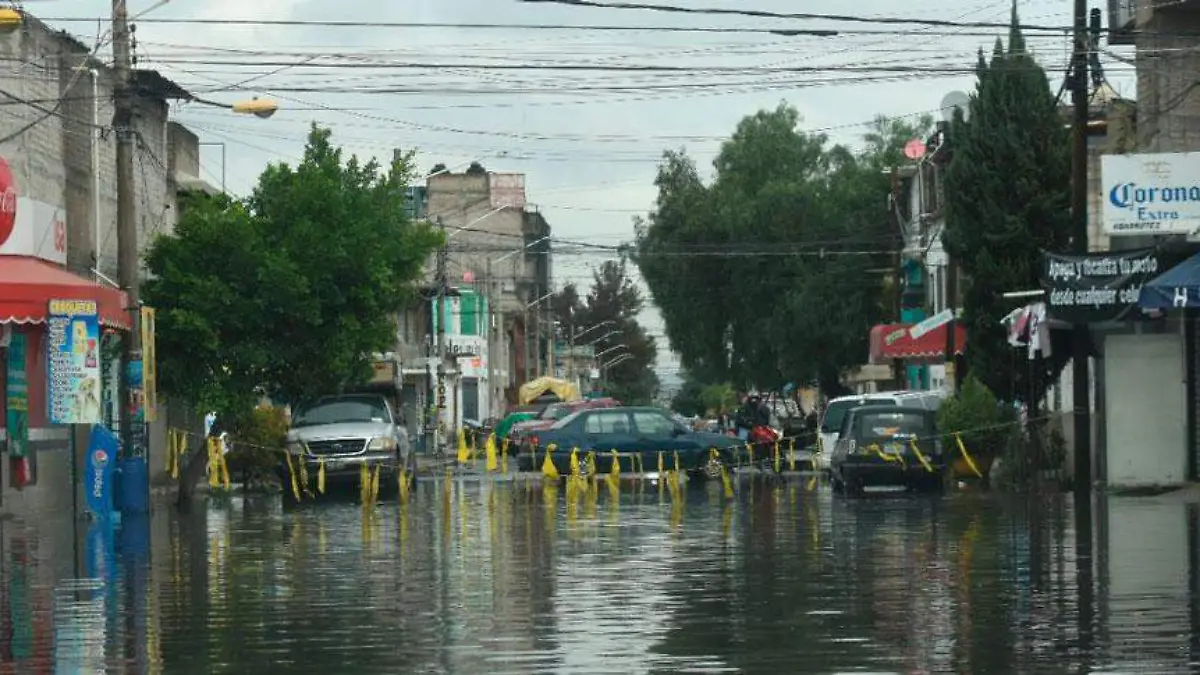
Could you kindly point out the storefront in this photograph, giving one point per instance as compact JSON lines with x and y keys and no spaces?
{"x":896,"y":342}
{"x":32,"y":273}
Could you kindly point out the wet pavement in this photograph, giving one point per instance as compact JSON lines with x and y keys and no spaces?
{"x":490,"y":577}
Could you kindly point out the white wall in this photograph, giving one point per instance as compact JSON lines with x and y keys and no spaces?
{"x":1145,"y":409}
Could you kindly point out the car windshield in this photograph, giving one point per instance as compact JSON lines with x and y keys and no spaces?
{"x":835,"y":414}
{"x":556,"y":411}
{"x":342,"y":410}
{"x":887,"y":426}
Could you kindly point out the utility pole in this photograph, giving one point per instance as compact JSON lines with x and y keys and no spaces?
{"x":951,"y":356}
{"x":571,"y":352}
{"x":133,"y":437}
{"x":492,"y":350}
{"x":440,"y":317}
{"x":1081,"y":383}
{"x":898,"y":280}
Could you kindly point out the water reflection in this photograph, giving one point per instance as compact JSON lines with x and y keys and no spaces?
{"x":511,"y":577}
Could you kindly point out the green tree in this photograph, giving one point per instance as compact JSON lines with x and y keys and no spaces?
{"x":614,"y":297}
{"x":1007,"y":200}
{"x":290,"y":292}
{"x":770,"y":274}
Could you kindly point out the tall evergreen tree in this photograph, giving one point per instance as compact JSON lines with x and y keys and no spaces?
{"x":1007,"y":200}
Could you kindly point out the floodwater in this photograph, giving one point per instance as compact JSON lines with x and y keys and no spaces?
{"x":506,"y":577}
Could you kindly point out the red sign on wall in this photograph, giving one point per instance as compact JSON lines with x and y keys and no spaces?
{"x":8,"y":201}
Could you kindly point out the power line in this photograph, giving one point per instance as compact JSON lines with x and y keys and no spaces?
{"x":804,"y":16}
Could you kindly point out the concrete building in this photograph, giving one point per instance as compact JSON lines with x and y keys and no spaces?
{"x":1148,"y":371}
{"x":498,"y":268}
{"x":57,"y":142}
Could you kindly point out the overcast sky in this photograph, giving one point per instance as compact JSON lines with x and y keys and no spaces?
{"x":588,"y":141}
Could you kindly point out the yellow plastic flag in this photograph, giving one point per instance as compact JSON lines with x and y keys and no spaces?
{"x":575,"y":472}
{"x":777,"y":458}
{"x":291,"y":474}
{"x":614,"y":473}
{"x":321,"y":475}
{"x":750,"y":451}
{"x":504,"y":457}
{"x":364,"y":484}
{"x":792,"y":454}
{"x":304,"y":475}
{"x":490,"y":449}
{"x":375,"y":484}
{"x":402,"y":485}
{"x":214,"y":469}
{"x":548,"y":469}
{"x":660,"y":464}
{"x":464,"y":453}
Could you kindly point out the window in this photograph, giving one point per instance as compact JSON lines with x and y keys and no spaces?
{"x":881,"y":427}
{"x":653,"y":424}
{"x":606,"y":423}
{"x":469,"y":308}
{"x":337,"y":411}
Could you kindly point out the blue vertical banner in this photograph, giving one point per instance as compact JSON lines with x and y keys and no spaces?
{"x":98,"y":468}
{"x":135,"y":410}
{"x":73,"y":362}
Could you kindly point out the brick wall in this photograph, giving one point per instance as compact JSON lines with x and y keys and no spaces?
{"x":52,"y":160}
{"x":1167,"y":63}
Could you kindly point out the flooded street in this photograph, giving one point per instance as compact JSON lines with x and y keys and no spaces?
{"x":472,"y":577}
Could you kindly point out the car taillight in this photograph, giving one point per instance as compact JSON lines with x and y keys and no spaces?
{"x":533,"y":441}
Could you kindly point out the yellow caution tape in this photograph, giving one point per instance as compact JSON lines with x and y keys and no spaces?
{"x":966,"y":456}
{"x":912,"y":443}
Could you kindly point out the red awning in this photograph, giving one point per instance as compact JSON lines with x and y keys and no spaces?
{"x":27,"y":285}
{"x":892,"y":341}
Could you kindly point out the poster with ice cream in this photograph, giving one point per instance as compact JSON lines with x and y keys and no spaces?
{"x":73,"y":394}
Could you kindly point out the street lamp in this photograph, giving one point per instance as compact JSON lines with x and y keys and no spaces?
{"x":611,"y":350}
{"x":618,"y":360}
{"x":525,"y":324}
{"x":259,"y":107}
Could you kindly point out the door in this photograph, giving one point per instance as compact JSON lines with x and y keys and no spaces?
{"x":656,"y":433}
{"x":605,"y":431}
{"x":470,"y":399}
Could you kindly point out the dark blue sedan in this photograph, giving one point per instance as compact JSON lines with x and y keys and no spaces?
{"x":639,"y":435}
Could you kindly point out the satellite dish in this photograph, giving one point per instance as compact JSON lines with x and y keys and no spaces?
{"x":956,"y":100}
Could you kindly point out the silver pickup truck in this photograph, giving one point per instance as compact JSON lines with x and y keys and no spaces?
{"x":347,"y":431}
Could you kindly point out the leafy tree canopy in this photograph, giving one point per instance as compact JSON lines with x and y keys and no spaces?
{"x":291,"y":291}
{"x":770,"y":273}
{"x":1007,"y":200}
{"x":613,"y":298}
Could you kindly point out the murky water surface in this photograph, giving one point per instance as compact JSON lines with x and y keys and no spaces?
{"x":472,"y":577}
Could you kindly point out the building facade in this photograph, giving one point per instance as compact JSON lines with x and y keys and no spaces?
{"x":60,"y":189}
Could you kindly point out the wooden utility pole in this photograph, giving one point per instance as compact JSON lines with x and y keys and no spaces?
{"x":441,"y":317}
{"x":1081,"y":381}
{"x":898,"y":370}
{"x":133,"y":436}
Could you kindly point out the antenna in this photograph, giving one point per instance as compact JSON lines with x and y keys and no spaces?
{"x":956,"y":100}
